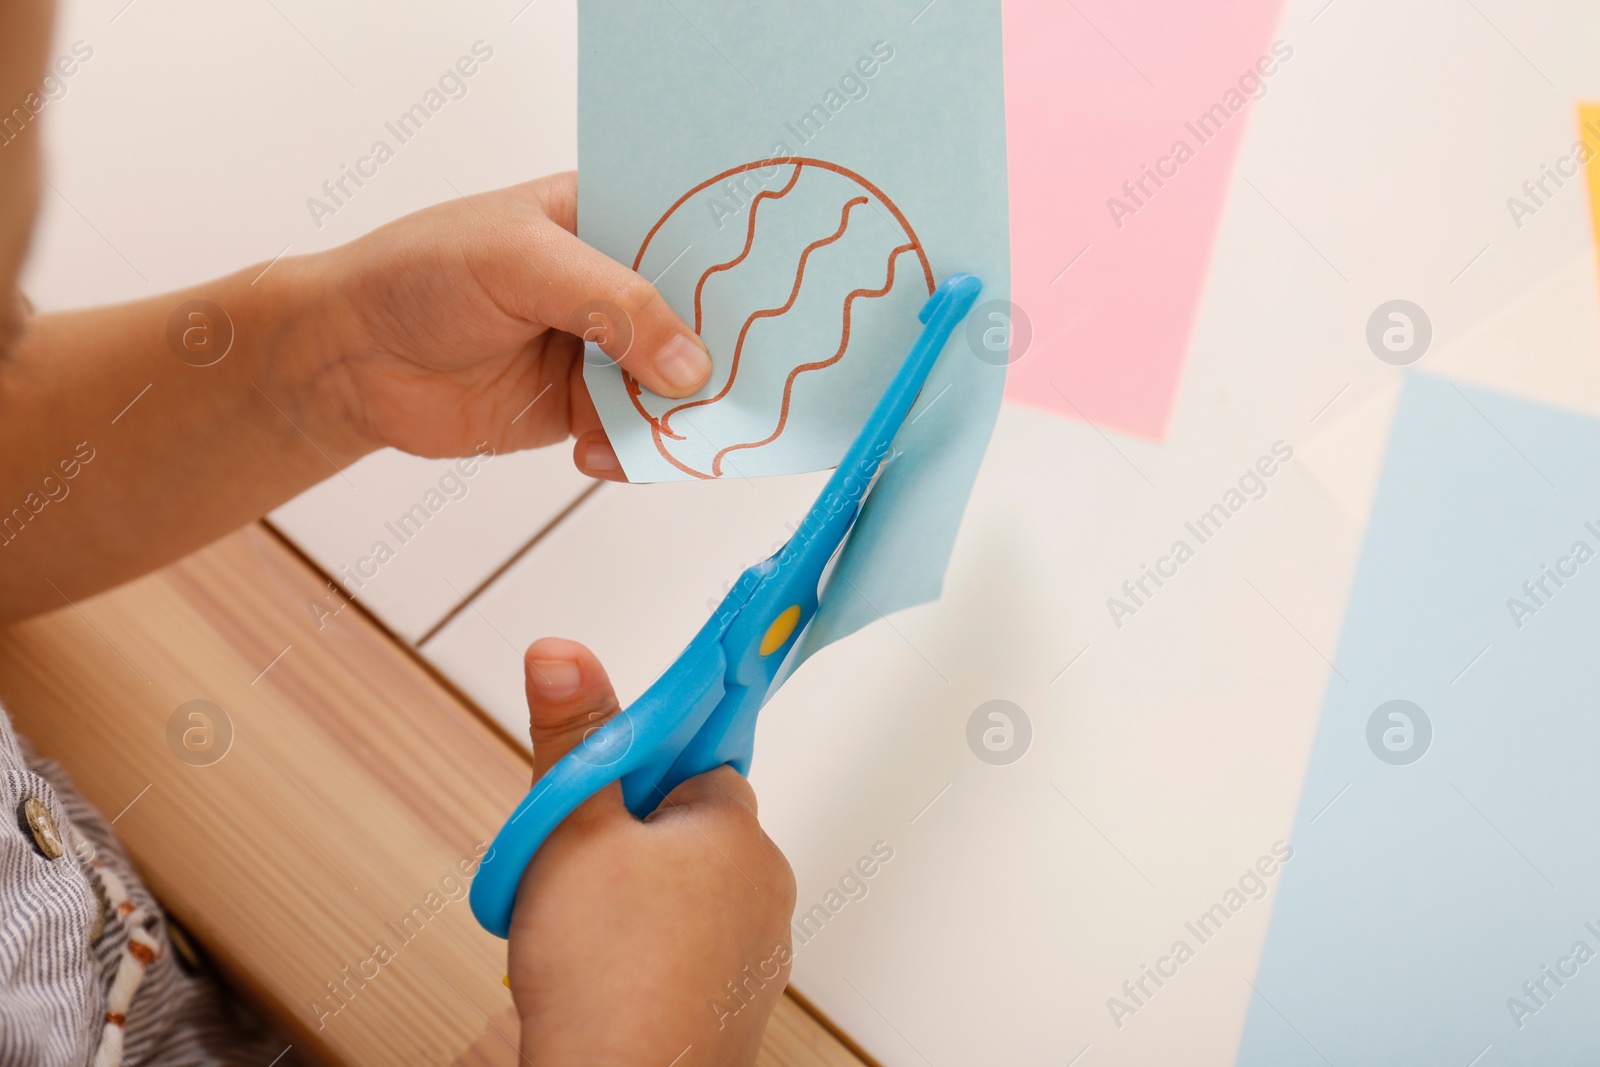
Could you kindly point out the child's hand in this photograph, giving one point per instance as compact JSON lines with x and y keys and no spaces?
{"x":447,"y":324}
{"x":627,"y":935}
{"x":438,"y":334}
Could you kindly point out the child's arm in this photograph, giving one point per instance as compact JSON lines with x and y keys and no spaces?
{"x":434,"y":335}
{"x":635,"y":943}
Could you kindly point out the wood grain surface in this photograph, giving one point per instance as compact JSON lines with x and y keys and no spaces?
{"x":354,"y":788}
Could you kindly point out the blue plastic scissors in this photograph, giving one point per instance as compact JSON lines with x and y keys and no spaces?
{"x":701,"y":713}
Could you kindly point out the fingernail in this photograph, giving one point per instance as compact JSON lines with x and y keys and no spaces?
{"x":601,"y":458}
{"x":683,"y":363}
{"x":556,"y":679}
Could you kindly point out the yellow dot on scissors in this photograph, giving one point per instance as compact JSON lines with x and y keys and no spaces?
{"x":506,"y":981}
{"x":782,"y":629}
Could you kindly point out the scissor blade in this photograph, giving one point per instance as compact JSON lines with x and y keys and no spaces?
{"x":784,"y":590}
{"x":845,"y":490}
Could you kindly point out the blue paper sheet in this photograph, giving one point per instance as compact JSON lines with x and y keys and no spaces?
{"x":796,"y":179}
{"x":1447,"y":863}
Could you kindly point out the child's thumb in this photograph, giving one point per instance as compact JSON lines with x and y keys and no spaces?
{"x":569,"y":699}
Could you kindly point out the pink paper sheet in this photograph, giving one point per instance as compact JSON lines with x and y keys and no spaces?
{"x":1096,"y":91}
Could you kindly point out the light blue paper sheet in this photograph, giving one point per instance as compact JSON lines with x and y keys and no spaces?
{"x":882,"y":131}
{"x":1422,"y":896}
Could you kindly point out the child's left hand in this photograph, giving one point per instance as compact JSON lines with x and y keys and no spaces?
{"x":455,"y":326}
{"x":444,"y":332}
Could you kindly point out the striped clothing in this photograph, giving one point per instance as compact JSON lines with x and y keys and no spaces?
{"x":80,"y":935}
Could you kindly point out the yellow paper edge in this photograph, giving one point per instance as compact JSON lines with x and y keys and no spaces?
{"x":1589,"y":130}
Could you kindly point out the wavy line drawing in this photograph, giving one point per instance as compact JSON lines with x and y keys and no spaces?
{"x":823,"y":364}
{"x":660,"y":428}
{"x":766,"y":313}
{"x":769,"y":164}
{"x":749,"y":243}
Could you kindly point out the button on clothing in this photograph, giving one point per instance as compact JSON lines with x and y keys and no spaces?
{"x":43,"y":827}
{"x":87,"y":973}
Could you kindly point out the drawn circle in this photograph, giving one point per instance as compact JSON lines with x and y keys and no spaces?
{"x":999,"y":332}
{"x":200,"y":733}
{"x":1399,"y":333}
{"x":200,"y":333}
{"x":1399,"y":733}
{"x":834,"y":225}
{"x":600,"y":324}
{"x":999,"y":733}
{"x":604,"y":745}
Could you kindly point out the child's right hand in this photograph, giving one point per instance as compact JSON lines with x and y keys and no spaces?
{"x":629,"y":937}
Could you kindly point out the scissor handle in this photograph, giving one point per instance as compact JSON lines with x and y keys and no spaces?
{"x":640,"y":746}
